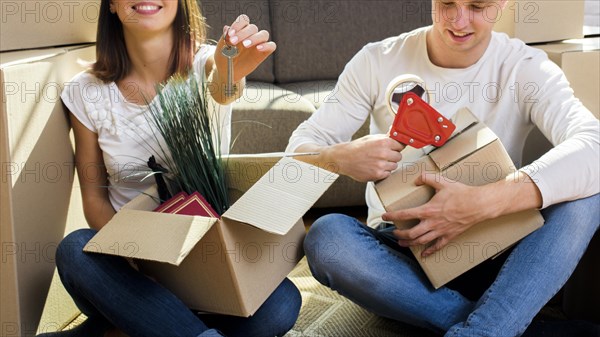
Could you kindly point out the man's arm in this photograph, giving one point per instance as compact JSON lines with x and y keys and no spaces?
{"x":369,"y":158}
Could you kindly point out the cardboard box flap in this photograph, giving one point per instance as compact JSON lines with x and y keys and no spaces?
{"x":244,"y":170}
{"x":476,"y":137}
{"x":144,"y":235}
{"x":281,"y":196}
{"x":463,"y":119}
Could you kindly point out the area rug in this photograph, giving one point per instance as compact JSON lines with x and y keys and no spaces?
{"x":325,"y":313}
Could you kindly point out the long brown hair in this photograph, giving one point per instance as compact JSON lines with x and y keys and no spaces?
{"x":112,"y":61}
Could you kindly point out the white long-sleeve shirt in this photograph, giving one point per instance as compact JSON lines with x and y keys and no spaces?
{"x":511,"y":88}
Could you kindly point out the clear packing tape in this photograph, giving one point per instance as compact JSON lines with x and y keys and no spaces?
{"x":416,"y":123}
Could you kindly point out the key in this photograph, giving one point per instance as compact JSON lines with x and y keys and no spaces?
{"x":229,"y":52}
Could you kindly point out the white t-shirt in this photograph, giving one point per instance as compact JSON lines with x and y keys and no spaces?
{"x":511,"y":88}
{"x":125,"y":133}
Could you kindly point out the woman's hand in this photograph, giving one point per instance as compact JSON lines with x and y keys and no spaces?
{"x":253,"y":48}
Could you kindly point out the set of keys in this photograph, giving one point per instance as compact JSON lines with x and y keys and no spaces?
{"x":230,"y":52}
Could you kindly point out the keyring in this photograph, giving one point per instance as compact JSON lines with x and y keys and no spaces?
{"x":401,"y":85}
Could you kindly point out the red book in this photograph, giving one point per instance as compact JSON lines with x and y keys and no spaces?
{"x":166,"y":206}
{"x":194,"y":204}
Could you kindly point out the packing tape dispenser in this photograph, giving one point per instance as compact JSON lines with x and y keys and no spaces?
{"x":416,"y":123}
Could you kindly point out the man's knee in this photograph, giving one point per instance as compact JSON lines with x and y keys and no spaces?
{"x":323,"y":240}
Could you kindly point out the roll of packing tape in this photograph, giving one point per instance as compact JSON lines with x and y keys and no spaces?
{"x":401,"y":85}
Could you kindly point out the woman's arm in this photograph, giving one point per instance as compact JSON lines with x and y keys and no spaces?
{"x":92,"y":176}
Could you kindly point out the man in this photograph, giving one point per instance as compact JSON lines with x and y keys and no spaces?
{"x":508,"y":86}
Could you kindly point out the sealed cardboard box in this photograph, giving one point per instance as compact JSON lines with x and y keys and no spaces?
{"x":580,"y":60}
{"x":29,"y":24}
{"x":474,"y":156}
{"x":36,"y":177}
{"x":228,"y":265}
{"x":540,"y":21}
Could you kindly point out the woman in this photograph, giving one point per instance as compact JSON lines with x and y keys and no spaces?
{"x":141,"y":44}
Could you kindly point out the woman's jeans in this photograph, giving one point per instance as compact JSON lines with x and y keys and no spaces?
{"x":352,"y":259}
{"x":106,"y":288}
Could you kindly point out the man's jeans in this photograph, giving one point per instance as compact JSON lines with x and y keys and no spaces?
{"x":107,"y":289}
{"x":352,"y":259}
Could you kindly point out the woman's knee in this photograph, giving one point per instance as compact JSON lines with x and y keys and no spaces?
{"x":288,"y":294}
{"x":282,"y":308}
{"x":70,"y":249}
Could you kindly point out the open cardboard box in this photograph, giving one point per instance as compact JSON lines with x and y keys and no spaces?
{"x":474,"y":156}
{"x":228,"y":265}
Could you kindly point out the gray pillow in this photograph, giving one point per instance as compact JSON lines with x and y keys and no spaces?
{"x":317,"y":38}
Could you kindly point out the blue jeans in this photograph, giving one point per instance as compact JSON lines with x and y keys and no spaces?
{"x":111,"y":293}
{"x":354,"y":260}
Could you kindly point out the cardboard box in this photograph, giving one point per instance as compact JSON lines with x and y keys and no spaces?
{"x":59,"y":308}
{"x":36,"y":178}
{"x":542,"y":20}
{"x":580,"y":60}
{"x":474,"y":156}
{"x":29,"y":24}
{"x":228,"y":265}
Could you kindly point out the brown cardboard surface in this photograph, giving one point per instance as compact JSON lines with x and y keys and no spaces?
{"x":9,"y":301}
{"x":37,"y":173}
{"x":184,"y":233}
{"x":580,"y":61}
{"x":230,"y":265}
{"x":474,"y":157}
{"x":41,"y":23}
{"x":542,"y":20}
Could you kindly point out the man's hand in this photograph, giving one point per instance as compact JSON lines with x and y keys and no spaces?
{"x":454,"y":208}
{"x":369,"y":158}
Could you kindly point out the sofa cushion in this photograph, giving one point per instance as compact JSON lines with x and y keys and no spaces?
{"x":317,"y":38}
{"x":219,"y":13}
{"x":264,"y":118}
{"x":316,"y":92}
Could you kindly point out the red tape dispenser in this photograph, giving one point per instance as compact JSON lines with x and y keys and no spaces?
{"x":416,"y":123}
